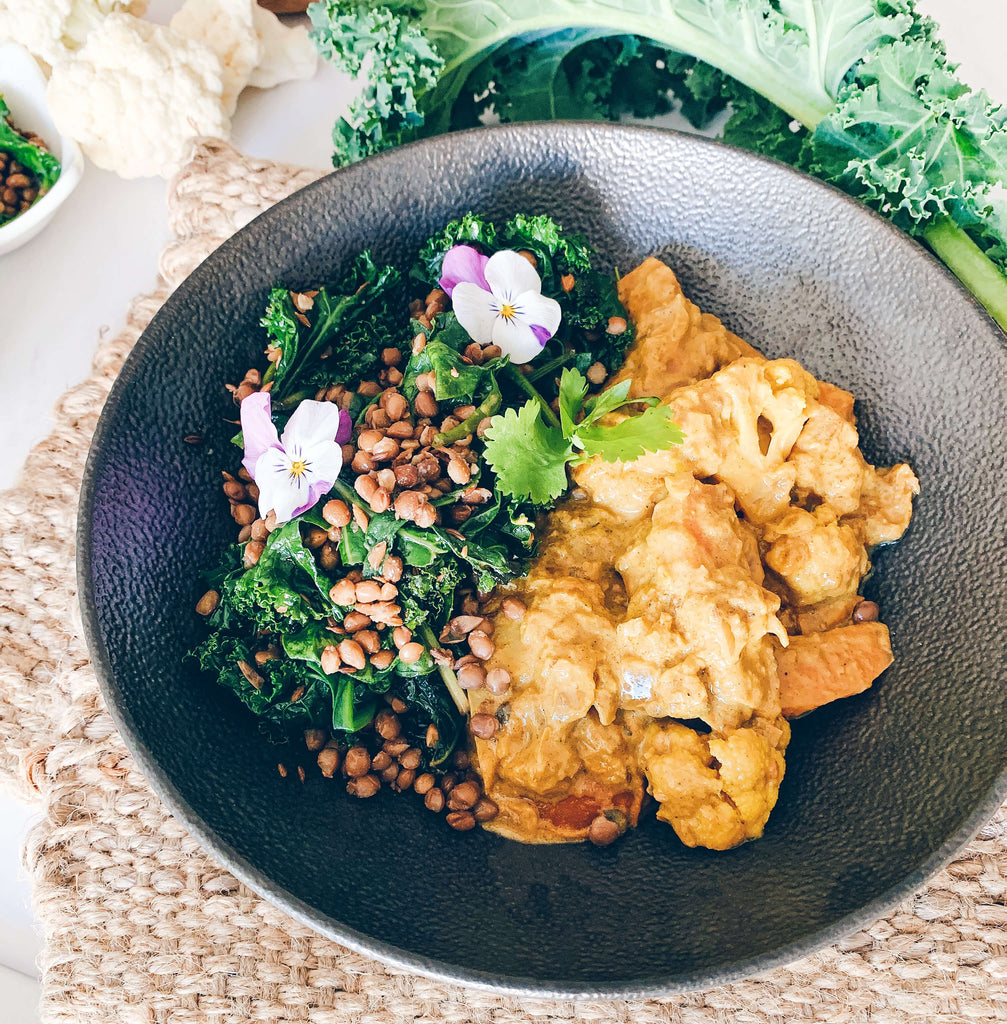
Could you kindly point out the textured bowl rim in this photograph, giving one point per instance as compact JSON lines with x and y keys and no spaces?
{"x":387,"y":953}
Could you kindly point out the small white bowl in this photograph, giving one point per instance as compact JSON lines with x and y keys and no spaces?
{"x":22,"y":85}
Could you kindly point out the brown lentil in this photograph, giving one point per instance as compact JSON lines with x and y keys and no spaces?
{"x":368,"y":591}
{"x":344,"y":593}
{"x":425,"y":404}
{"x":602,"y":831}
{"x":356,"y":621}
{"x":352,"y":654}
{"x":434,"y":799}
{"x":410,"y":653}
{"x":616,"y":325}
{"x":336,"y":513}
{"x":330,"y":660}
{"x":472,"y":677}
{"x":411,"y":758}
{"x":382,"y":660}
{"x":244,"y":515}
{"x":481,"y":645}
{"x":513,"y":607}
{"x":369,"y":640}
{"x":328,"y":556}
{"x":387,"y":725}
{"x":463,"y":797}
{"x":381,"y":760}
{"x":328,"y":761}
{"x":485,"y":809}
{"x":498,"y":681}
{"x":207,"y":604}
{"x":357,"y":761}
{"x":363,"y":787}
{"x":866,"y":611}
{"x":484,"y":726}
{"x":432,"y":736}
{"x":315,"y":739}
{"x":404,"y":780}
{"x":396,"y":747}
{"x":424,"y":783}
{"x":461,"y":821}
{"x":366,"y":486}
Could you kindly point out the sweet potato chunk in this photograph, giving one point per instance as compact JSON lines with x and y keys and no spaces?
{"x":822,"y":667}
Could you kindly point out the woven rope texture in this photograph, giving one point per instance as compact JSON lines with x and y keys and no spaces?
{"x":141,"y":927}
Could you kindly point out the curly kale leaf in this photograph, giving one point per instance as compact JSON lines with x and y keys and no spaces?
{"x":472,"y":229}
{"x":430,"y":704}
{"x":280,"y":715}
{"x":427,"y":594}
{"x":284,"y":589}
{"x":339,"y":339}
{"x":401,"y":65}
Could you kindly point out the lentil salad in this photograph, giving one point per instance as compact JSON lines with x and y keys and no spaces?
{"x":352,"y":619}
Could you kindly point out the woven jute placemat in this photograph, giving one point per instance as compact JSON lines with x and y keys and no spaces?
{"x":141,"y":926}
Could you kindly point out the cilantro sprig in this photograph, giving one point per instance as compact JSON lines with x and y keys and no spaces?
{"x":530,"y":456}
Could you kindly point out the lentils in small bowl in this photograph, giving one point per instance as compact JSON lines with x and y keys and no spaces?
{"x":27,"y":169}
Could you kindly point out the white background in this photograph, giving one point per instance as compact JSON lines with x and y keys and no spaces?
{"x":73,"y":283}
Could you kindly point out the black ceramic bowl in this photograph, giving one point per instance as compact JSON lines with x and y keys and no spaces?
{"x":880,"y":790}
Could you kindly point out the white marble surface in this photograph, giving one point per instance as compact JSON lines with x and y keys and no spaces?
{"x":74,"y":282}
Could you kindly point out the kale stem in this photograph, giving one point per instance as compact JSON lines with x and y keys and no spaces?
{"x":348,"y":494}
{"x":521,"y":381}
{"x":467,"y":427}
{"x":269,"y":374}
{"x":970,"y":265}
{"x":458,"y":695}
{"x":291,"y":400}
{"x":553,"y":364}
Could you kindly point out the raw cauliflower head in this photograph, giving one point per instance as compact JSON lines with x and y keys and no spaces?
{"x":134,"y":95}
{"x":252,"y":44}
{"x":53,"y":28}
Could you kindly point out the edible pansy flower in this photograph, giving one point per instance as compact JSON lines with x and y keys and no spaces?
{"x":499,"y":301}
{"x":293,"y":470}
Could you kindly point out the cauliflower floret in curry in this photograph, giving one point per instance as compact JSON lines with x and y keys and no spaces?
{"x":685,"y":603}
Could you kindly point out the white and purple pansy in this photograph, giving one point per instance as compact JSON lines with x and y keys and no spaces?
{"x":498,"y":300}
{"x":294,"y":470}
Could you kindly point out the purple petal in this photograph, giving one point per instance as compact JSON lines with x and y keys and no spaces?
{"x":315,"y":491}
{"x":542,"y":333}
{"x":463,"y":263}
{"x":345,"y":431}
{"x":257,"y":428}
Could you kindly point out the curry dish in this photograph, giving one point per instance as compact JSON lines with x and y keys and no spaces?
{"x":684,"y":606}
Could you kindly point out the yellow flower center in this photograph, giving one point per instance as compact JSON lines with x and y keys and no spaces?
{"x":507,"y":311}
{"x":297,"y":467}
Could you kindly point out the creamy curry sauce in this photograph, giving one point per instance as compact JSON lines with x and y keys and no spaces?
{"x":684,"y":605}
